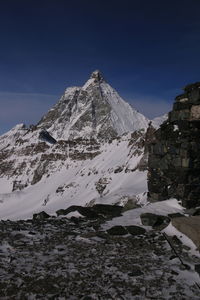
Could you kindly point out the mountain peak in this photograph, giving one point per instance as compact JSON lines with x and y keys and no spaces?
{"x":94,"y":110}
{"x":97,"y":75}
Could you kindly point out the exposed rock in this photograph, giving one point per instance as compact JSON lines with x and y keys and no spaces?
{"x":136,"y":272}
{"x":135,"y":230}
{"x":117,"y":230}
{"x":41,"y":216}
{"x":174,"y":153}
{"x":197,"y":212}
{"x":130,"y":204}
{"x":84,"y":211}
{"x":118,"y":169}
{"x":18,"y":185}
{"x":175,"y":215}
{"x":156,"y":221}
{"x":190,"y":226}
{"x":101,"y":185}
{"x":197,"y":268}
{"x":108,"y":210}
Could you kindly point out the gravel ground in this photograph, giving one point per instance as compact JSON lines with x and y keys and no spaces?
{"x":63,"y":259}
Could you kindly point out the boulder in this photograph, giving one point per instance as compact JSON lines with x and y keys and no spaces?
{"x":41,"y":216}
{"x":118,"y":169}
{"x":156,"y":221}
{"x":197,"y":268}
{"x":135,"y":230}
{"x":130,"y":204}
{"x":136,"y":272}
{"x":107,"y":210}
{"x":117,"y":230}
{"x":190,"y":226}
{"x":197,"y":212}
{"x":45,"y":136}
{"x":84,"y":211}
{"x":175,"y":215}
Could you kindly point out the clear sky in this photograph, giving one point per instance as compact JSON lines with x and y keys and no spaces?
{"x":147,"y":50}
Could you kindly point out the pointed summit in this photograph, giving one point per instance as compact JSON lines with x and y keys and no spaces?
{"x":94,"y":110}
{"x":97,"y":75}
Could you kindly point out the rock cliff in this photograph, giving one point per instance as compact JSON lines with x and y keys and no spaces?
{"x":174,"y":152}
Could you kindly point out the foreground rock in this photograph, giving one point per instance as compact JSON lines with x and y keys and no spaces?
{"x":190,"y":226}
{"x":84,"y":211}
{"x":156,"y":221}
{"x":57,"y":259}
{"x":94,"y":212}
{"x":174,"y":156}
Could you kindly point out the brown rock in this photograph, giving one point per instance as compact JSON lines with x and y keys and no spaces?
{"x":190,"y":226}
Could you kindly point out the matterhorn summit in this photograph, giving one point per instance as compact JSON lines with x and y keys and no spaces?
{"x":87,"y":149}
{"x":94,"y":110}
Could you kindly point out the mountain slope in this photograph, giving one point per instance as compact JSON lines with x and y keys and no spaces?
{"x":110,"y":175}
{"x":95,"y":110}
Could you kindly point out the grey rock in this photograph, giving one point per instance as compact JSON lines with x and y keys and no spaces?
{"x":197,"y":212}
{"x":156,"y":221}
{"x":175,"y":215}
{"x":174,"y":156}
{"x":197,"y":268}
{"x":136,"y":272}
{"x":84,"y":211}
{"x":190,"y":226}
{"x":117,"y":230}
{"x":41,"y":216}
{"x":107,"y":210}
{"x":135,"y":230}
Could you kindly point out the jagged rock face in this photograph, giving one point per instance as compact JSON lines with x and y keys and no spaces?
{"x":174,"y":153}
{"x":37,"y":175}
{"x":94,"y":110}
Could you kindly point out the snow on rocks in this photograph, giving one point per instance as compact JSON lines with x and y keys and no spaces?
{"x":57,"y":258}
{"x":69,"y":173}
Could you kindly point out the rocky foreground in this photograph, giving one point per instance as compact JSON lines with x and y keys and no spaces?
{"x":60,"y":258}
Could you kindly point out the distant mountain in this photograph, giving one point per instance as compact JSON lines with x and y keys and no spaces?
{"x":88,"y":148}
{"x":94,"y":110}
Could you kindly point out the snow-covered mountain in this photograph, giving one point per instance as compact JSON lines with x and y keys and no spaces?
{"x":88,"y":148}
{"x":94,"y":110}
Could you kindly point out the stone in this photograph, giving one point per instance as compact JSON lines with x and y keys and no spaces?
{"x":190,"y":226}
{"x":136,"y":272}
{"x":41,"y":216}
{"x":156,"y":221}
{"x":135,"y":230}
{"x":107,"y":210}
{"x":197,"y":268}
{"x":84,"y":211}
{"x":117,"y":230}
{"x":197,"y":212}
{"x":88,"y":212}
{"x":175,"y":215}
{"x":130,"y":204}
{"x":118,"y":170}
{"x":45,"y":136}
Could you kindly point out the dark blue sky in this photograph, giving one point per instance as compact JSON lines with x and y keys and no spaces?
{"x":147,"y":50}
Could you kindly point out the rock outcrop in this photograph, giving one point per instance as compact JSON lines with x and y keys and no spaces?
{"x":174,"y":156}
